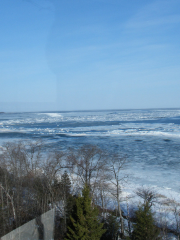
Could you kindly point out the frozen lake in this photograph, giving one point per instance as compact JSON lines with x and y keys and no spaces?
{"x":150,"y":138}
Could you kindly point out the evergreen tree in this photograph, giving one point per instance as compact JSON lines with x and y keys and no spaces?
{"x":62,"y":193}
{"x":144,"y":228}
{"x":111,"y":224}
{"x":84,"y":224}
{"x":65,"y":185}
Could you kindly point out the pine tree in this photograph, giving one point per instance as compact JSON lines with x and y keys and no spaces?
{"x":84,"y":224}
{"x":144,"y":228}
{"x":111,"y":224}
{"x":62,"y":191}
{"x":65,"y":191}
{"x":65,"y":185}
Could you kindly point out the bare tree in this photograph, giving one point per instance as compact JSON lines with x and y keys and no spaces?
{"x":116,"y":166}
{"x":85,"y":164}
{"x":53,"y":166}
{"x":148,"y":195}
{"x":29,"y":187}
{"x":175,"y":208}
{"x":163,"y":219}
{"x":14,"y":161}
{"x":102,"y":188}
{"x":22,"y":158}
{"x":7,"y":209}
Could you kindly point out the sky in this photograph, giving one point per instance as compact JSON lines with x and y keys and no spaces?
{"x":58,"y":55}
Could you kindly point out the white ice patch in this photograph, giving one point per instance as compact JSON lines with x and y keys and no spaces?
{"x":54,"y":115}
{"x":2,"y":149}
{"x":77,"y":134}
{"x":138,"y":132}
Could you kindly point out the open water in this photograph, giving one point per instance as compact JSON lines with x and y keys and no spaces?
{"x":150,"y":138}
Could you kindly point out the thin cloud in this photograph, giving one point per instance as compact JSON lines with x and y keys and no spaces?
{"x":154,"y":15}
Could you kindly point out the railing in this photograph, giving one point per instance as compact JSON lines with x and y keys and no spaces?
{"x":40,"y":228}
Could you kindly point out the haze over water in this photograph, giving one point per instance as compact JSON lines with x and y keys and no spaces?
{"x":150,"y":138}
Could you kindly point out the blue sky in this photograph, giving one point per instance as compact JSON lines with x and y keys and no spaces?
{"x":89,"y":54}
